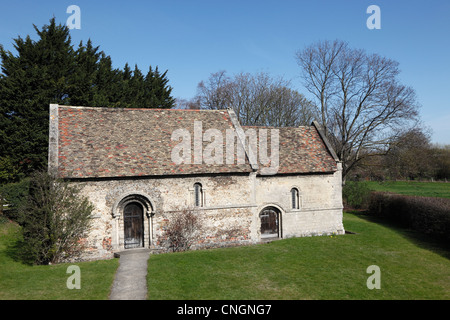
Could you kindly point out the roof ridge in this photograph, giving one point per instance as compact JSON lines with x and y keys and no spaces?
{"x":275,"y":127}
{"x":130,"y":109}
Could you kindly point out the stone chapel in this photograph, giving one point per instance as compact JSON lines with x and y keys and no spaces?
{"x":140,"y":166}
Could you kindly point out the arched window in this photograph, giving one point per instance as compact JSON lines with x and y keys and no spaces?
{"x":294,"y":198}
{"x":198,"y":195}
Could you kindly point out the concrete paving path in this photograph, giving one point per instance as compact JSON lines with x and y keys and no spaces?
{"x":130,"y":281}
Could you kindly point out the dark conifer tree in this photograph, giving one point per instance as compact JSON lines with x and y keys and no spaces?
{"x":84,"y":79}
{"x":158,"y":92}
{"x":137,"y":90}
{"x":39,"y":75}
{"x":107,"y":89}
{"x":49,"y":70}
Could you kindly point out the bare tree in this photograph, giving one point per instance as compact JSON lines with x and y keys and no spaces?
{"x":317,"y":61}
{"x":213,"y":94}
{"x":411,"y":156}
{"x":363,"y":107}
{"x":288,"y":108}
{"x":257,"y":99}
{"x":192,"y":104}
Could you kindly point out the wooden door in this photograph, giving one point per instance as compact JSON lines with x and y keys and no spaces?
{"x":133,"y":225}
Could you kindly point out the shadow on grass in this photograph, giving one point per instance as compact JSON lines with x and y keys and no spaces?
{"x":17,"y":251}
{"x":420,"y":239}
{"x":15,"y":248}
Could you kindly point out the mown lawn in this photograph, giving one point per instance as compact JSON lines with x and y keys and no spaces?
{"x":328,"y":267}
{"x":413,"y":188}
{"x":332,"y":267}
{"x":24,"y":282}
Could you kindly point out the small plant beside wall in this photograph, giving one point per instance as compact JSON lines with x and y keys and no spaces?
{"x":54,"y":219}
{"x":183,"y":230}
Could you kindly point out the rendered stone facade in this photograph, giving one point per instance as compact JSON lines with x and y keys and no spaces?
{"x":235,"y":201}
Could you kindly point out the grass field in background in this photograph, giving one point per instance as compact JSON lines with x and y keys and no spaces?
{"x":326,"y":267}
{"x":413,"y":188}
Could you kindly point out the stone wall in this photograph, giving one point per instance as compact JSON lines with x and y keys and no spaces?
{"x":230,"y":208}
{"x":320,"y":202}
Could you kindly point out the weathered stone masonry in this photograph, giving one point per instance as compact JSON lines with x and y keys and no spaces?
{"x":118,"y":160}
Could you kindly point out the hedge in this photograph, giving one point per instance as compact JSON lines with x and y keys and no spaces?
{"x":425,"y":214}
{"x":355,"y":194}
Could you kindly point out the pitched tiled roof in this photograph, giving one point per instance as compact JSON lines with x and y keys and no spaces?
{"x":301,"y":150}
{"x":109,"y":142}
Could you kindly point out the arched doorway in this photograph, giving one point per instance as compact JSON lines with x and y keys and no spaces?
{"x":122,"y":229}
{"x":270,"y":222}
{"x":133,"y":219}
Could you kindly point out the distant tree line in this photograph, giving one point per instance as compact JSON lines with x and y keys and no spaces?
{"x":411,"y":156}
{"x":51,"y":70}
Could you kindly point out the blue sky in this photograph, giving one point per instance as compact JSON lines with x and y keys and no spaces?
{"x":194,"y":38}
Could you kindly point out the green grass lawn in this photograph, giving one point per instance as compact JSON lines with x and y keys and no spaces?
{"x":24,"y":282}
{"x":412,"y":267}
{"x":414,"y":188}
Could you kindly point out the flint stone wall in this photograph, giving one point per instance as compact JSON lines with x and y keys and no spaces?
{"x":230,"y":208}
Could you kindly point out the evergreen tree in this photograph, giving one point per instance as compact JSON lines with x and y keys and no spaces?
{"x":39,"y":75}
{"x":84,"y":79}
{"x":158,"y":92}
{"x":137,"y":90}
{"x":49,"y":70}
{"x":106,"y":90}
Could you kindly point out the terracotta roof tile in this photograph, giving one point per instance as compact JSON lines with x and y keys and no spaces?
{"x":109,"y":142}
{"x":301,"y":150}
